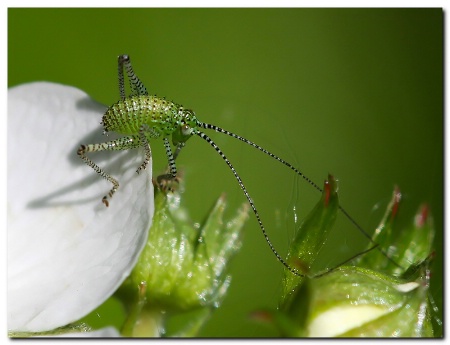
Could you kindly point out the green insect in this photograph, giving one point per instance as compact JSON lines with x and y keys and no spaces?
{"x":141,"y":117}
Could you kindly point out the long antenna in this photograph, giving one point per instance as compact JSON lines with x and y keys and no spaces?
{"x":255,"y":211}
{"x":298,"y":172}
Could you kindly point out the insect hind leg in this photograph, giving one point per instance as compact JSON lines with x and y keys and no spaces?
{"x":137,"y":87}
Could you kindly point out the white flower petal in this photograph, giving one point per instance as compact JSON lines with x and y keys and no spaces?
{"x":67,"y":252}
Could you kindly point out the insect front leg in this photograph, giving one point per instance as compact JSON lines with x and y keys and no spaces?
{"x":125,"y":143}
{"x":165,"y":181}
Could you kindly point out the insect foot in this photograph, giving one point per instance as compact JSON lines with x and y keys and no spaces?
{"x":168,"y":183}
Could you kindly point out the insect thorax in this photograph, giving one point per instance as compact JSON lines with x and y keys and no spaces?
{"x":128,"y":115}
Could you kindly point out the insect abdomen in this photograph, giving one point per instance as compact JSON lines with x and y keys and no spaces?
{"x":128,"y":115}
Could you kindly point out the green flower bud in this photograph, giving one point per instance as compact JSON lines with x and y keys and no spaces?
{"x":182,"y":268}
{"x":358,"y":302}
{"x":370,"y":296}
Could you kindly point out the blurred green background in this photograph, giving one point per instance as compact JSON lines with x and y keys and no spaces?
{"x":353,"y":92}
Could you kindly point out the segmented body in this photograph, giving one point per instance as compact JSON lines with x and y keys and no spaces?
{"x":161,"y":116}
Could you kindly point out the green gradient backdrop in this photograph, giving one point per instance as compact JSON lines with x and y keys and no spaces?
{"x":354,"y":92}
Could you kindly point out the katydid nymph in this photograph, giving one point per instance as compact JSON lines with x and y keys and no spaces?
{"x":141,"y":117}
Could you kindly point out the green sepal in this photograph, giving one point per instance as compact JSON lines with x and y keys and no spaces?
{"x":404,"y":246}
{"x":309,"y":239}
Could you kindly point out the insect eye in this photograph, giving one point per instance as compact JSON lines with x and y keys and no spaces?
{"x":185,"y":129}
